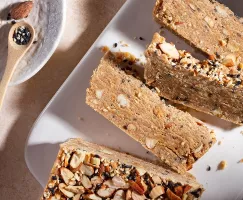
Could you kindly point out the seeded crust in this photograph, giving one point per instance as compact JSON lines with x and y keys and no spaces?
{"x":84,"y":170}
{"x":174,"y":136}
{"x":207,"y":86}
{"x":206,"y":24}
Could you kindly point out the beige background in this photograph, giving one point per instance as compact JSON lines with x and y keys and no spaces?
{"x":85,"y":21}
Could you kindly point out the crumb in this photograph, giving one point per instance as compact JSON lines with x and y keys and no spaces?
{"x":104,"y":49}
{"x":125,"y":45}
{"x":208,"y":168}
{"x":241,"y":132}
{"x":220,"y":142}
{"x":222,"y":165}
{"x":135,"y":38}
{"x":241,"y":161}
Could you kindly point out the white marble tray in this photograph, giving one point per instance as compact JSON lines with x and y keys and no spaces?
{"x":67,"y":115}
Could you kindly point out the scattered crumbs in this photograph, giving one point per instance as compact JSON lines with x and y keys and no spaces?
{"x":241,"y":161}
{"x":241,"y":132}
{"x":81,"y":118}
{"x":222,"y":165}
{"x":125,"y":45}
{"x":135,"y":38}
{"x":104,"y":49}
{"x":220,"y":142}
{"x":208,"y":168}
{"x":115,"y":45}
{"x":147,"y":152}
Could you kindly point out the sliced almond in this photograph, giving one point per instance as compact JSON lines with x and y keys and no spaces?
{"x":156,"y":179}
{"x":179,"y":191}
{"x":95,"y":161}
{"x":171,"y":195}
{"x":65,"y":192}
{"x":66,"y":160}
{"x":106,"y":192}
{"x":87,"y":159}
{"x":92,"y":197}
{"x":141,"y":171}
{"x":170,"y":50}
{"x":86,"y":182}
{"x":136,"y":196}
{"x":96,"y":180}
{"x":229,"y":60}
{"x":76,"y":197}
{"x":110,"y":184}
{"x":75,"y":189}
{"x":187,"y":188}
{"x":129,"y":195}
{"x":87,"y":170}
{"x":150,"y":143}
{"x":135,"y":187}
{"x":76,"y":160}
{"x":119,"y":195}
{"x":157,"y":191}
{"x":118,"y":181}
{"x":66,"y":174}
{"x":21,"y":10}
{"x":209,"y":21}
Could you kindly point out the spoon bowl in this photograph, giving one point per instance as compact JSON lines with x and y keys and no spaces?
{"x":15,"y":53}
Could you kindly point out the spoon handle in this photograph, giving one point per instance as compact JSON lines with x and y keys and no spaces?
{"x":9,"y":70}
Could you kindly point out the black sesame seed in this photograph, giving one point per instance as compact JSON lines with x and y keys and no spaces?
{"x":238,"y":83}
{"x":115,"y":45}
{"x":126,"y":166}
{"x":52,"y":190}
{"x":54,"y":178}
{"x":208,"y":168}
{"x":9,"y":16}
{"x":141,"y":38}
{"x":196,"y":193}
{"x":13,"y":22}
{"x":106,"y":175}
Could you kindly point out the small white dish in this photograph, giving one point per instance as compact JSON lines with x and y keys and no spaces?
{"x":47,"y":17}
{"x":67,"y":115}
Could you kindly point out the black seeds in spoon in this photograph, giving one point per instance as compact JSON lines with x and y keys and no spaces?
{"x":22,"y":36}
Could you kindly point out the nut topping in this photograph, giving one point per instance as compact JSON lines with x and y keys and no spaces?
{"x":86,"y":182}
{"x":157,"y":191}
{"x":64,"y":191}
{"x":87,"y":170}
{"x":119,"y":195}
{"x":151,"y":143}
{"x":21,"y":10}
{"x":229,"y":60}
{"x":67,"y":175}
{"x":122,"y":101}
{"x":76,"y":160}
{"x":89,"y":176}
{"x":105,"y":192}
{"x":170,"y":50}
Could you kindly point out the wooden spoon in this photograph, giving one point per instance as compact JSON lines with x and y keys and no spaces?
{"x":15,"y":53}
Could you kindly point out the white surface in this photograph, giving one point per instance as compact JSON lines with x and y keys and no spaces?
{"x":47,"y":17}
{"x":67,"y":115}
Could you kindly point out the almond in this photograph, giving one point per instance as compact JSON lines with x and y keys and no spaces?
{"x":135,"y":187}
{"x":187,"y":188}
{"x":76,"y":197}
{"x":96,"y":180}
{"x":129,"y":195}
{"x":179,"y":191}
{"x":87,"y":170}
{"x":119,"y":195}
{"x":150,"y":143}
{"x":76,"y":160}
{"x":64,"y":191}
{"x":86,"y":182}
{"x":157,"y":191}
{"x":229,"y":60}
{"x":156,"y":179}
{"x":136,"y":196}
{"x":118,"y":181}
{"x":21,"y":10}
{"x":171,"y":195}
{"x":66,"y":174}
{"x":170,"y":50}
{"x":92,"y":197}
{"x":75,"y":189}
{"x":110,"y":184}
{"x":106,"y":192}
